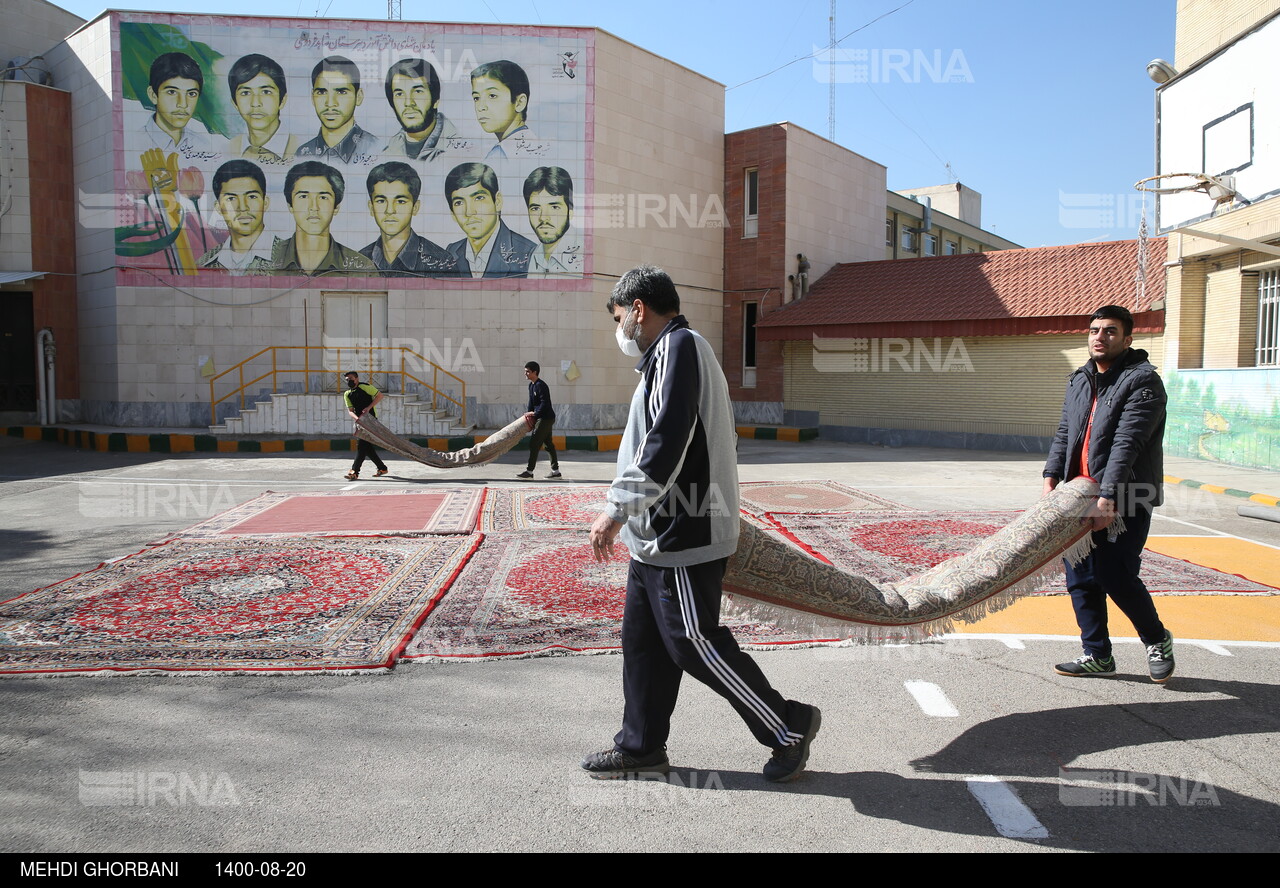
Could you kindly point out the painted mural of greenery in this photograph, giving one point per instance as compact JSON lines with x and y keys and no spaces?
{"x":140,"y":44}
{"x":1203,"y":425}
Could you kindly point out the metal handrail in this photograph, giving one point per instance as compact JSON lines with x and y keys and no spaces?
{"x":356,"y":352}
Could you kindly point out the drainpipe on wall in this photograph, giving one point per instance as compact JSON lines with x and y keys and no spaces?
{"x":47,"y":407}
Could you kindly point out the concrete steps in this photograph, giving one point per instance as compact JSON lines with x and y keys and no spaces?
{"x":325,"y":414}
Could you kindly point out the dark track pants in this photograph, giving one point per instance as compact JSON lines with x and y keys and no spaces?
{"x":1112,"y":570}
{"x":670,"y":626}
{"x":541,"y":437}
{"x":365,"y":450}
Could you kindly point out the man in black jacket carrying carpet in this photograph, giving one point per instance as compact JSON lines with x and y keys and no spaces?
{"x":1112,"y":430}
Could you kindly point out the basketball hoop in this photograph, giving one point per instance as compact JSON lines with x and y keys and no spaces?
{"x":1221,"y":189}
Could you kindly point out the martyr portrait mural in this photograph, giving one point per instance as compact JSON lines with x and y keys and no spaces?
{"x":254,"y":150}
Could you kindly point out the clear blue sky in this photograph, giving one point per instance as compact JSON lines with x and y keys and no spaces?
{"x":1050,"y":117}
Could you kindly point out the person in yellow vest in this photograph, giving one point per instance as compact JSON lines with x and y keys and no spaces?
{"x":361,"y":398}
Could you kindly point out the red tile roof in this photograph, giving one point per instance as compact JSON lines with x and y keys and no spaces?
{"x":998,"y":293}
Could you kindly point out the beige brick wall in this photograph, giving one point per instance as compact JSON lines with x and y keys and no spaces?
{"x":32,"y":26}
{"x":1184,"y":314}
{"x":834,"y":201}
{"x":1205,"y":25}
{"x":1015,"y":388}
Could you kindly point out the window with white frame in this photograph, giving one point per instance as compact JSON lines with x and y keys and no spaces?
{"x":751,"y":204}
{"x":908,"y":240}
{"x":1268,"y":352}
{"x":931,"y":245}
{"x":950,"y":248}
{"x":888,"y":232}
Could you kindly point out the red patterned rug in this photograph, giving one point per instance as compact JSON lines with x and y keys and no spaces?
{"x":544,"y":508}
{"x":886,"y":547}
{"x":542,"y":594}
{"x":236,"y":605}
{"x":345,"y":513}
{"x":512,"y":508}
{"x":759,"y":497}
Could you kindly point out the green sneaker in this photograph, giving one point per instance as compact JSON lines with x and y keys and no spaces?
{"x":1160,"y":659}
{"x":1089,"y":666}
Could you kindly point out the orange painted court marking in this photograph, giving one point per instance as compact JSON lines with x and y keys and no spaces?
{"x":1219,"y":617}
{"x":1227,"y":554}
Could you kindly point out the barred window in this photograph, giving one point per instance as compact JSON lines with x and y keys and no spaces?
{"x":1268,"y":353}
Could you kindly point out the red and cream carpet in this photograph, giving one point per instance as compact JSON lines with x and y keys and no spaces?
{"x":345,"y":513}
{"x":541,"y":594}
{"x":239,"y":605}
{"x":890,"y":546}
{"x":353,"y":581}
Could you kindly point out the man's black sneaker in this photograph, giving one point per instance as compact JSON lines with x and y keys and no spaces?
{"x":1088,"y":666}
{"x":614,"y":764}
{"x":525,"y":475}
{"x":788,"y":762}
{"x":1160,"y":659}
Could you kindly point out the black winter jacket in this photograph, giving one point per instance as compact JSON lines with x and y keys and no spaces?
{"x":1126,"y":446}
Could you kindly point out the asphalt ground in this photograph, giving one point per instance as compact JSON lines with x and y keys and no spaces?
{"x":968,"y":743}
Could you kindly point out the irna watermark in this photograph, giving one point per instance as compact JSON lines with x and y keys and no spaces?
{"x":837,"y":355}
{"x":150,"y":789}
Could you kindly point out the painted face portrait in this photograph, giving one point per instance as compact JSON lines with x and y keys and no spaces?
{"x":392,"y":207}
{"x":243,"y":206}
{"x":175,"y":103}
{"x":313,"y":205}
{"x":413,"y":103}
{"x":475,"y":210}
{"x":495,"y":110}
{"x":335,"y":99}
{"x":259,"y":102}
{"x":549,"y":216}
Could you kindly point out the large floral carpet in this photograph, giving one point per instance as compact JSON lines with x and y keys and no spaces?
{"x":345,"y":513}
{"x":889,"y":546}
{"x":539,"y":594}
{"x":760,"y":497}
{"x":237,"y":605}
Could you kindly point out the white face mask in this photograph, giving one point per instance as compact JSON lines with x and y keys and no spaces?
{"x":626,"y":342}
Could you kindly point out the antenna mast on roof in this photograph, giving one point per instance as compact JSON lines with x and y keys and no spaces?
{"x":831,"y":80}
{"x":393,"y":11}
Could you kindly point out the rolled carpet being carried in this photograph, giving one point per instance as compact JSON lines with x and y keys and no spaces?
{"x":768,"y":578}
{"x":368,"y":428}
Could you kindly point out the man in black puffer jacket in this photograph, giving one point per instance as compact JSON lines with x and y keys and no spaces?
{"x":1112,"y":430}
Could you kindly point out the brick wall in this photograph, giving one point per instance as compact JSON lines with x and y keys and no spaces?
{"x":755,"y":267}
{"x":53,"y":227}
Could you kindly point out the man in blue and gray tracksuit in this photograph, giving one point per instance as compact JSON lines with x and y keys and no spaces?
{"x":675,"y":505}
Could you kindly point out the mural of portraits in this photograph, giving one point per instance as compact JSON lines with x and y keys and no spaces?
{"x":368,"y":149}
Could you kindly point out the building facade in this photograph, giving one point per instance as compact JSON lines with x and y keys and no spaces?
{"x":1220,"y":116}
{"x":383,"y":196}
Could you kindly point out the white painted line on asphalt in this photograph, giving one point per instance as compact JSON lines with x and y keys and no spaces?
{"x":1011,"y":818}
{"x":1208,"y":644}
{"x":1219,"y":532}
{"x":1011,"y":642}
{"x":1217,"y":649}
{"x":350,"y":487}
{"x":931,"y":699}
